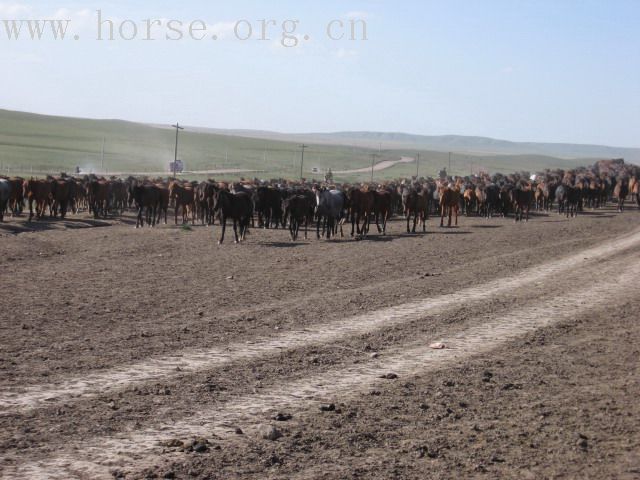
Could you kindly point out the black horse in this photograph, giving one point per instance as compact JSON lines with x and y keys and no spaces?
{"x":298,"y":209}
{"x":147,"y":200}
{"x":267,"y":204}
{"x":238,"y":207}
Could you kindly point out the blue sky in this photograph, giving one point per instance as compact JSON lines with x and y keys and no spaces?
{"x":558,"y":71}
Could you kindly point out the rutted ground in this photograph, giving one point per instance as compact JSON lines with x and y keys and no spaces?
{"x":161,"y":292}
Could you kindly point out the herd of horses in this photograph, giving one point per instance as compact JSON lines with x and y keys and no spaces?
{"x":279,"y":203}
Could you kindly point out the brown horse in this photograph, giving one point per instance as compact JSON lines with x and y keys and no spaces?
{"x":38,"y":191}
{"x":449,"y":203}
{"x":184,"y":197}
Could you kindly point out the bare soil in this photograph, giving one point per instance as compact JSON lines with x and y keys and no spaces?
{"x":83,"y":297}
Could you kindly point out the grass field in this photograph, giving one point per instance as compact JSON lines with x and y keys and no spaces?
{"x":38,"y":145}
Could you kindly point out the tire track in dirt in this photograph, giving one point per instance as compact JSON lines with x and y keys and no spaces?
{"x":118,"y":378}
{"x":136,"y":450}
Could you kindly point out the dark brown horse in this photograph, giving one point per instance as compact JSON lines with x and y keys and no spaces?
{"x":521,"y":198}
{"x":361,"y":205}
{"x":382,"y":201}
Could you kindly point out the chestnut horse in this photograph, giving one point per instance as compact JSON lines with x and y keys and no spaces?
{"x":620,"y":193}
{"x":449,"y":203}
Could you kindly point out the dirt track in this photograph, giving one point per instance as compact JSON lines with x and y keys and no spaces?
{"x":115,"y":340}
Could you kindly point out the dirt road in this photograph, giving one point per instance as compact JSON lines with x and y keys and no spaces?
{"x":121,"y":346}
{"x":385,"y":164}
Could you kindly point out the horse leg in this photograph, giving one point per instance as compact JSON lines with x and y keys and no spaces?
{"x":235,"y":230}
{"x":223,"y":224}
{"x":408,"y":214}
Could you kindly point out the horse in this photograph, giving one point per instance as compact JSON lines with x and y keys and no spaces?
{"x":5,"y":195}
{"x":449,"y":203}
{"x":361,"y":204}
{"x":268,"y":205}
{"x":521,"y":200}
{"x":99,"y":193}
{"x":297,"y":209}
{"x":38,"y":191}
{"x":147,"y":199}
{"x":481,"y":200}
{"x":163,"y":203}
{"x":382,"y":206}
{"x":470,"y":200}
{"x":60,"y":197}
{"x":184,"y":197}
{"x":16,"y":200}
{"x":620,"y":193}
{"x":238,"y":207}
{"x":410,"y":207}
{"x":493,"y":200}
{"x":329,"y":207}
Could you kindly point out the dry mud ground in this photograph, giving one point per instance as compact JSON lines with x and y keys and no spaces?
{"x":120,"y":347}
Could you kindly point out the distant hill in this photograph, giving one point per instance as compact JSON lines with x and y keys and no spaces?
{"x":32,"y":144}
{"x":448,"y":143}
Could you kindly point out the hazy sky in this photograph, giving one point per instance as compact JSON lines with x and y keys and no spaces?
{"x":560,"y":71}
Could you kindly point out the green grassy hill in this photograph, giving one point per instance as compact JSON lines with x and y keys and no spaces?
{"x":40,"y":144}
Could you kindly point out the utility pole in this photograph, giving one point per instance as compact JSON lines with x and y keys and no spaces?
{"x":175,"y":160}
{"x":102,"y":155}
{"x":417,"y":165}
{"x":373,"y":161}
{"x":302,"y":148}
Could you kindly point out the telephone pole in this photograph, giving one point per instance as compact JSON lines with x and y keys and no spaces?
{"x":175,"y":160}
{"x":303,"y":147}
{"x":373,"y":161}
